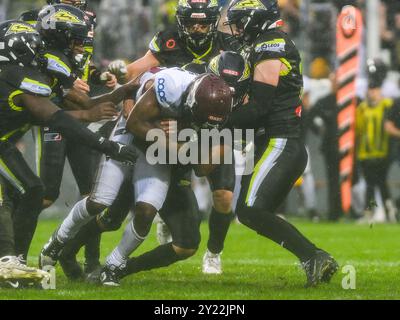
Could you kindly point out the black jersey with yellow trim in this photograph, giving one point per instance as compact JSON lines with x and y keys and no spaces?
{"x":171,"y":51}
{"x":284,"y":116}
{"x":15,"y":80}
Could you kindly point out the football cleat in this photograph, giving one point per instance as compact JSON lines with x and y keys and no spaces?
{"x":163,"y":234}
{"x":212,"y":263}
{"x":111,"y":275}
{"x":320,"y":268}
{"x":12,"y":270}
{"x":71,"y":267}
{"x":51,"y":252}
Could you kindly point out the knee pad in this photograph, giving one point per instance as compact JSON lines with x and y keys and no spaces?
{"x":223,"y":201}
{"x":183,"y":254}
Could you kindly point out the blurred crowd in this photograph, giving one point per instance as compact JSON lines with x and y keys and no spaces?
{"x":125,"y":27}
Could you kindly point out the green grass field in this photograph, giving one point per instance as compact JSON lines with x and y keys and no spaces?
{"x":254,"y":268}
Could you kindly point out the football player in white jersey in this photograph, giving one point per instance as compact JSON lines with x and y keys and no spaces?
{"x":175,"y":93}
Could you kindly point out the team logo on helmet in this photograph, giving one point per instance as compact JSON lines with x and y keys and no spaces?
{"x":248,"y":4}
{"x":20,"y":28}
{"x":246,"y":72}
{"x":183,"y":3}
{"x":213,"y":3}
{"x":65,"y":16}
{"x":214,"y":64}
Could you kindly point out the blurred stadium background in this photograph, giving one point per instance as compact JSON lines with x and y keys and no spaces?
{"x":125,"y":28}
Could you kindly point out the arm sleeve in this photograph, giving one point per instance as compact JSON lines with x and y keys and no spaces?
{"x":247,"y":115}
{"x":78,"y":133}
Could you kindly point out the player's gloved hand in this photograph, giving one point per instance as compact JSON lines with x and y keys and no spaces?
{"x":118,"y":68}
{"x":120,"y":152}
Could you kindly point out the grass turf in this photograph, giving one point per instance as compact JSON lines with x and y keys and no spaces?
{"x":254,"y":268}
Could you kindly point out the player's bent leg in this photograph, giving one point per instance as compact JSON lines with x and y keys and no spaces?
{"x":274,"y":175}
{"x":218,"y":223}
{"x":83,"y":211}
{"x":222,"y":181}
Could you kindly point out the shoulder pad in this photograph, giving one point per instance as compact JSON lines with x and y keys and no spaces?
{"x":271,"y":45}
{"x":29,"y":80}
{"x":58,"y":64}
{"x":164,"y":41}
{"x":170,"y":86}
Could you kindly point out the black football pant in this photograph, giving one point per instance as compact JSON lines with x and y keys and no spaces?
{"x":279,"y":163}
{"x":21,"y":179}
{"x":375,"y":173}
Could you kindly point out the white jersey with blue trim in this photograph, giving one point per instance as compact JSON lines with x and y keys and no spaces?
{"x":170,"y":86}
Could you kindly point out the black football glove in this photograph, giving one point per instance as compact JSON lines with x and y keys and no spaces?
{"x":120,"y":152}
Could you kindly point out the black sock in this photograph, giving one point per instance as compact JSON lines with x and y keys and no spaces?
{"x":92,"y":249}
{"x":7,"y":246}
{"x":161,"y":256}
{"x":88,"y":231}
{"x":218,"y":225}
{"x":25,"y":222}
{"x":279,"y":231}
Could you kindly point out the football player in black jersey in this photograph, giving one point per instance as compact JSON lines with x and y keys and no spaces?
{"x":274,"y":105}
{"x":52,"y":152}
{"x":24,"y":100}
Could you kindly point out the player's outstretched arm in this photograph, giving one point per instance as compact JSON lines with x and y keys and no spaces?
{"x":82,"y":99}
{"x":45,"y":111}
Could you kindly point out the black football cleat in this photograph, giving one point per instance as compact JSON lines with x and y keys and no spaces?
{"x":320,"y":268}
{"x":71,"y":267}
{"x":111,"y":275}
{"x":51,"y":252}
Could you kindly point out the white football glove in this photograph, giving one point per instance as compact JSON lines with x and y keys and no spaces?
{"x":118,"y":68}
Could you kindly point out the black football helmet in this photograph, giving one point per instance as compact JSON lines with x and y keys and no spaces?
{"x":236,"y":72}
{"x":62,"y":26}
{"x":249,"y":18}
{"x":377,"y":71}
{"x":192,"y":12}
{"x":20,"y":43}
{"x":80,"y":4}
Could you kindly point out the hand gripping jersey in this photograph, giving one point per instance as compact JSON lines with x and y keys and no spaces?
{"x":15,"y":80}
{"x":283,"y":119}
{"x":171,"y":51}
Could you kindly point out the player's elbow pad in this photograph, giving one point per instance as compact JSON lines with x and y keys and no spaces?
{"x":247,"y":116}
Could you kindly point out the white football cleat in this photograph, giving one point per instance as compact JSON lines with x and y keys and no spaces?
{"x":163,"y":234}
{"x":12,"y":268}
{"x":212,"y":263}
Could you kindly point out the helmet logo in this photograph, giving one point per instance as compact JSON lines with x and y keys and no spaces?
{"x":230,"y":72}
{"x":213,"y":3}
{"x":171,"y":44}
{"x":183,"y":3}
{"x":19,"y":28}
{"x":65,"y":16}
{"x":214,"y":65}
{"x":201,"y":15}
{"x":248,"y":4}
{"x":199,"y":1}
{"x":246,"y":72}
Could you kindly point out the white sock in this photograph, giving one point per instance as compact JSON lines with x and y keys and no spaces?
{"x":75,"y":220}
{"x":129,"y":243}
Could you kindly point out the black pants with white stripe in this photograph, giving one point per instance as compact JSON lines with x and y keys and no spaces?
{"x":279,"y":163}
